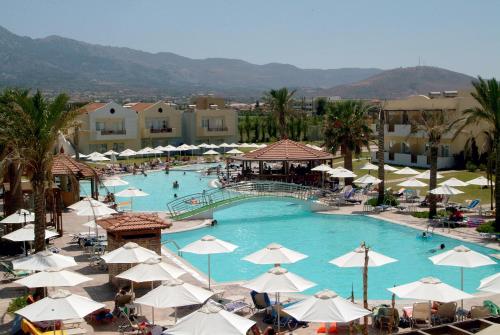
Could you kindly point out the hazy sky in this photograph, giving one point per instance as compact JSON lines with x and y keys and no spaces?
{"x":461,"y":35}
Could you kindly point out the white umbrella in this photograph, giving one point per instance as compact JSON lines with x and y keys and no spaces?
{"x":80,"y":155}
{"x":407,"y":171}
{"x":53,"y":278}
{"x":152,"y":269}
{"x":127,"y":153}
{"x":427,"y":175}
{"x":159,"y":148}
{"x":244,"y":145}
{"x":278,"y":280}
{"x":27,"y":233}
{"x":174,"y":293}
{"x":322,"y":168}
{"x":131,"y":193}
{"x":43,"y":260}
{"x":263,"y":145}
{"x":369,"y":166}
{"x":60,"y":305}
{"x":203,"y":145}
{"x":85,"y":203}
{"x":234,"y":152}
{"x":412,"y":182}
{"x":212,"y":146}
{"x":211,"y":152}
{"x":315,"y":147}
{"x":169,"y":148}
{"x":480,"y":181}
{"x":110,"y":152}
{"x":429,"y":289}
{"x":224,"y":145}
{"x":462,"y":257}
{"x":129,"y":253}
{"x":96,"y":211}
{"x":387,"y":167}
{"x":211,"y":319}
{"x":94,"y":154}
{"x":98,"y":159}
{"x":341,"y":172}
{"x":113,"y":182}
{"x":20,"y":216}
{"x":356,"y":259}
{"x":275,"y":254}
{"x":368,"y":179}
{"x":233,"y":145}
{"x":454,"y":182}
{"x":254,"y":145}
{"x":445,"y":190}
{"x":209,"y":245}
{"x":326,"y":306}
{"x":183,"y":147}
{"x":491,"y":284}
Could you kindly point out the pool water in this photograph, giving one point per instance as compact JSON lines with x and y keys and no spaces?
{"x":253,"y":225}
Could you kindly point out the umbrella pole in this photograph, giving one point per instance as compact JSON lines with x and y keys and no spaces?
{"x":278,"y":309}
{"x":209,"y":272}
{"x":175,"y":314}
{"x":462,"y":285}
{"x":152,"y":308}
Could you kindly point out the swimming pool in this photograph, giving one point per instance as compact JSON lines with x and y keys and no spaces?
{"x":253,"y":225}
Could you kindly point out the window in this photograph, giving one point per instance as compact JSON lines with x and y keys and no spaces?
{"x":101,"y":147}
{"x":160,"y":110}
{"x":204,"y":123}
{"x":405,"y":148}
{"x":445,"y":151}
{"x":112,"y":111}
{"x":99,"y":126}
{"x":118,"y":147}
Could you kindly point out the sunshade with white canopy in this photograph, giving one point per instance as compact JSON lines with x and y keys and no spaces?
{"x":368,"y":179}
{"x":454,"y":182}
{"x":85,"y":203}
{"x":211,"y":152}
{"x":110,"y":152}
{"x":212,"y":146}
{"x":412,"y":182}
{"x":211,"y":319}
{"x":152,"y":269}
{"x":480,"y":181}
{"x":275,"y":253}
{"x":131,"y":193}
{"x":427,"y":175}
{"x":127,"y":153}
{"x":59,"y":305}
{"x":94,"y":154}
{"x":369,"y":166}
{"x":341,"y":172}
{"x":224,"y":145}
{"x":209,"y":245}
{"x":322,"y":168}
{"x":462,"y":257}
{"x":234,"y":152}
{"x":20,"y":216}
{"x":53,"y":278}
{"x":113,"y":182}
{"x":98,"y":159}
{"x":233,"y":145}
{"x":326,"y":306}
{"x":406,"y":171}
{"x":203,"y":145}
{"x":445,"y":190}
{"x":43,"y":260}
{"x":96,"y":211}
{"x":490,"y":284}
{"x":129,"y":253}
{"x":389,"y":168}
{"x":27,"y":233}
{"x":244,"y":145}
{"x":174,"y":293}
{"x":356,"y":259}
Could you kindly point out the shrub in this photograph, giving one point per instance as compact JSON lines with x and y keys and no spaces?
{"x":482,"y":167}
{"x":389,"y":199}
{"x":487,"y":227}
{"x":425,"y":214}
{"x":17,"y":303}
{"x":470,"y":166}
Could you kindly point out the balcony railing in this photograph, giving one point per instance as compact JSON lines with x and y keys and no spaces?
{"x":160,"y":130}
{"x":113,"y":132}
{"x":216,"y":128}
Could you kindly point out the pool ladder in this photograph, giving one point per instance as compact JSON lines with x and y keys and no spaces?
{"x":179,"y":252}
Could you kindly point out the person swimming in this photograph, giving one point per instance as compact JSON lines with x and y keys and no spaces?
{"x":175,"y":184}
{"x":440,"y":247}
{"x":175,"y":195}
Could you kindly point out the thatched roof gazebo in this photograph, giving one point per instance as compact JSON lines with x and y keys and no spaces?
{"x":286,"y":161}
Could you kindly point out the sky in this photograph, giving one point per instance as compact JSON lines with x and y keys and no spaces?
{"x":459,"y":35}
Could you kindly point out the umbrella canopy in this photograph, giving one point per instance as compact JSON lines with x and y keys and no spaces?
{"x":127,"y":153}
{"x":96,"y":210}
{"x":326,"y":306}
{"x":429,"y":289}
{"x":275,"y":254}
{"x":27,"y":233}
{"x":369,"y":166}
{"x":234,"y":152}
{"x":112,"y":182}
{"x":43,"y":260}
{"x":131,"y":192}
{"x":110,"y":152}
{"x":60,"y":305}
{"x":493,"y":329}
{"x":212,"y":146}
{"x":86,"y":202}
{"x":20,"y":216}
{"x":203,"y":145}
{"x":480,"y":181}
{"x":169,"y":148}
{"x":151,"y":270}
{"x":277,"y":280}
{"x":412,"y":182}
{"x":53,"y":278}
{"x":94,"y":154}
{"x":98,"y":159}
{"x":211,"y":319}
{"x":427,"y":175}
{"x":341,"y":172}
{"x":129,"y":253}
{"x":91,"y":224}
{"x":174,"y":293}
{"x":224,"y":145}
{"x":454,"y":182}
{"x":462,"y":256}
{"x":211,"y":152}
{"x":490,"y":284}
{"x":368,"y":179}
{"x":445,"y":190}
{"x":387,"y":167}
{"x":322,"y":168}
{"x":356,"y":258}
{"x":244,"y":145}
{"x":406,"y":171}
{"x":233,"y":145}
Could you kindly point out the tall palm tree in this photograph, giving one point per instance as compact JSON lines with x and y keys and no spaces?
{"x":380,"y":154}
{"x":30,"y":125}
{"x":487,"y":94}
{"x":345,"y":127}
{"x":280,"y":103}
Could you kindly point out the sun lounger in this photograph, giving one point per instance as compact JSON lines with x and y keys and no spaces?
{"x":384,"y":316}
{"x":235,"y":304}
{"x":474,"y":222}
{"x":445,"y":313}
{"x":420,"y":315}
{"x":470,"y":207}
{"x":477,"y":312}
{"x":10,"y":273}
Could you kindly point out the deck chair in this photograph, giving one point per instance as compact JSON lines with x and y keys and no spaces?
{"x":261,"y":301}
{"x":286,"y":321}
{"x":446,"y":313}
{"x":420,"y":315}
{"x":478,"y":312}
{"x":10,"y":273}
{"x":470,"y":207}
{"x":383,"y":317}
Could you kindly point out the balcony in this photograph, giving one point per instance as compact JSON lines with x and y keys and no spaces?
{"x":160,"y":130}
{"x":113,"y":132}
{"x":415,"y":160}
{"x":398,"y":129}
{"x":216,"y":129}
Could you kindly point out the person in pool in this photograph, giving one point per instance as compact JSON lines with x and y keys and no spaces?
{"x":440,"y":247}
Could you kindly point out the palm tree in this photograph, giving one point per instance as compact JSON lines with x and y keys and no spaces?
{"x":280,"y":102}
{"x":30,"y":125}
{"x":380,"y":154}
{"x":345,"y":127}
{"x":487,"y":94}
{"x":247,"y":125}
{"x":240,"y":130}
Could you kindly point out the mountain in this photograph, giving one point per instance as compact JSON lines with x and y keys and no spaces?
{"x":56,"y":64}
{"x":401,"y":82}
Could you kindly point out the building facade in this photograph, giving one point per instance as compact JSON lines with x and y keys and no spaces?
{"x":212,"y":125}
{"x":406,"y":145}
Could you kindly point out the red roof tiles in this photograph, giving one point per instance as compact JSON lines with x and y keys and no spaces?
{"x":285,"y":150}
{"x":133,"y":221}
{"x":65,"y":165}
{"x":141,"y":106}
{"x":90,"y":107}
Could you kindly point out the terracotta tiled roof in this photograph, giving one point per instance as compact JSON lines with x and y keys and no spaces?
{"x":285,"y":150}
{"x":65,"y":165}
{"x":90,"y":107}
{"x":141,"y":106}
{"x":133,"y":221}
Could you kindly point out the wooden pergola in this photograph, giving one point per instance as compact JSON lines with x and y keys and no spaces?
{"x":295,"y":161}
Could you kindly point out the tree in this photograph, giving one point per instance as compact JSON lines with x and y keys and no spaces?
{"x":345,"y":127}
{"x":247,"y":125}
{"x":240,"y":130}
{"x":30,"y":126}
{"x":321,"y":104}
{"x":380,"y":154}
{"x":487,"y":94}
{"x":280,"y":103}
{"x":256,"y":128}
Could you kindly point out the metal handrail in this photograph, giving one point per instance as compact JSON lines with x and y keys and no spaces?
{"x":179,"y":252}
